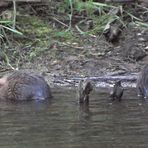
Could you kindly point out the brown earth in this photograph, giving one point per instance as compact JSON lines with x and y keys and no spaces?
{"x":96,"y":57}
{"x":93,"y":55}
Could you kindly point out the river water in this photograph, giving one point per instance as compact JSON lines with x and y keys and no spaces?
{"x":63,"y":123}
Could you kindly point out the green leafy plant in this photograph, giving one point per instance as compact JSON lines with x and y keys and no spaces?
{"x":9,"y":25}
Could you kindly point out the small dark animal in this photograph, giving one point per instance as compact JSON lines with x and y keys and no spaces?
{"x":84,"y":89}
{"x":117,"y":91}
{"x":24,"y":86}
{"x":112,"y":32}
{"x":142,"y":83}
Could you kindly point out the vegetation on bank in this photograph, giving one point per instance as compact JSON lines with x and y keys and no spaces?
{"x":29,"y":30}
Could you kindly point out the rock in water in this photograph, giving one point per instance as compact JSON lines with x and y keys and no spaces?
{"x":24,"y":86}
{"x":142,"y":83}
{"x":117,"y":91}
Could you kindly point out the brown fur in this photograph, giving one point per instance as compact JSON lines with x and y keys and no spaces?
{"x":142,"y":83}
{"x":117,"y":91}
{"x":24,"y":86}
{"x":84,"y":89}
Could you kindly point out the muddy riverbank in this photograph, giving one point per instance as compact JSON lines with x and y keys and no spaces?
{"x":60,"y":55}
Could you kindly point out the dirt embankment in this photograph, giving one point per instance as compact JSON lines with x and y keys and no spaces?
{"x":81,"y":55}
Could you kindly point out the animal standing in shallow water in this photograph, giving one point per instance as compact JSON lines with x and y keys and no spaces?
{"x":24,"y":86}
{"x":117,"y":91}
{"x":142,"y":83}
{"x":84,"y":89}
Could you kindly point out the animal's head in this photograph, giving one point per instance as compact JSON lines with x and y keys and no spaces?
{"x":118,"y":83}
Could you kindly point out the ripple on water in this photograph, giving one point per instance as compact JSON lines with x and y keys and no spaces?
{"x":64,"y":123}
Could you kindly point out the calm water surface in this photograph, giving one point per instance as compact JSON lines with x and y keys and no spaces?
{"x":62,"y":123}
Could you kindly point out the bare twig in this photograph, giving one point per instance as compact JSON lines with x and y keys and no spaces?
{"x":60,"y":22}
{"x":8,"y":63}
{"x":3,"y":31}
{"x":14,"y":14}
{"x":77,"y":47}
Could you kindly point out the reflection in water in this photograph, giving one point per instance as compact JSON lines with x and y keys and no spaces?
{"x":64,"y":123}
